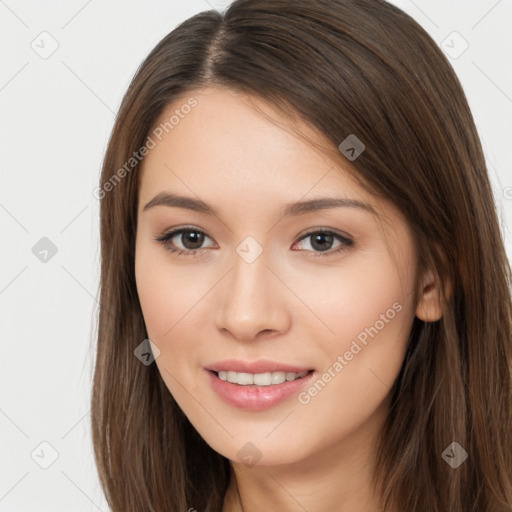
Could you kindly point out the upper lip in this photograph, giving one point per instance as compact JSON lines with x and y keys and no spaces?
{"x":260,"y":366}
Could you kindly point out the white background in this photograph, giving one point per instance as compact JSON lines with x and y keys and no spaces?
{"x":56,"y":115}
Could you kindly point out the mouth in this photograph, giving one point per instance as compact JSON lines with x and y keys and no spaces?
{"x":259,"y":379}
{"x":258,"y":391}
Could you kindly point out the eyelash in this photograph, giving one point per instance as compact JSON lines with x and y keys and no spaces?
{"x":164,"y":239}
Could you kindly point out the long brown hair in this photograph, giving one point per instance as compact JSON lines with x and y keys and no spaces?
{"x":359,"y":67}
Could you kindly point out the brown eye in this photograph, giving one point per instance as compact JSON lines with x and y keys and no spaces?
{"x":191,"y":239}
{"x":321,"y":242}
{"x":187,"y":241}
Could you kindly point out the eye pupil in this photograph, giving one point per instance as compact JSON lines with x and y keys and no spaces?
{"x":196,"y":239}
{"x":319,"y":241}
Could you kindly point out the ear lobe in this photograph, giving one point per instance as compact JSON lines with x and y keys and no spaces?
{"x":430,"y":304}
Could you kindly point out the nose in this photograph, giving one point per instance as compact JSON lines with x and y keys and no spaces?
{"x":252,"y":302}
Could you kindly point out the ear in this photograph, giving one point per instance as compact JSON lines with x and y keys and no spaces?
{"x":431,"y":304}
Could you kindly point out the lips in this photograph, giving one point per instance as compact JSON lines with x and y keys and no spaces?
{"x":255,"y":397}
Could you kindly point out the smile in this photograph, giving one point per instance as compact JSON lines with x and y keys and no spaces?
{"x":259,"y":379}
{"x":260,"y":391}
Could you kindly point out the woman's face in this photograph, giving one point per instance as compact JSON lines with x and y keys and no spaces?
{"x":264,"y":287}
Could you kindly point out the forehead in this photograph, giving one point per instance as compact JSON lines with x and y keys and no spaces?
{"x":225,"y":142}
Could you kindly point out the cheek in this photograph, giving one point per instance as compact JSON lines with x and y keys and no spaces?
{"x":172,"y":302}
{"x":166,"y":293}
{"x":370,"y":310}
{"x":372,"y":306}
{"x":365,"y":293}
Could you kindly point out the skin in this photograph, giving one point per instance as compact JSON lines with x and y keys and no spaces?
{"x":287,"y":305}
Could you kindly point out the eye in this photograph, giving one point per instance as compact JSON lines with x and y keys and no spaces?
{"x":191,"y":240}
{"x":321,"y":242}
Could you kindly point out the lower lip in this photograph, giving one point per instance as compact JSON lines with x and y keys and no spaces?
{"x":257,"y":398}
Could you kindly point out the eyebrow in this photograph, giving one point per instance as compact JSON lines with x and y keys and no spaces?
{"x":292,"y":209}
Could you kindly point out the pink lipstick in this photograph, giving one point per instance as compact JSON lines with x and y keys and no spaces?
{"x":257,"y":385}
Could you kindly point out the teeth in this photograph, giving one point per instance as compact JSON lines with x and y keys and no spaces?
{"x":259,"y":379}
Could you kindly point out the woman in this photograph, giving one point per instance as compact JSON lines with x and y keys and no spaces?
{"x":305,"y":297}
